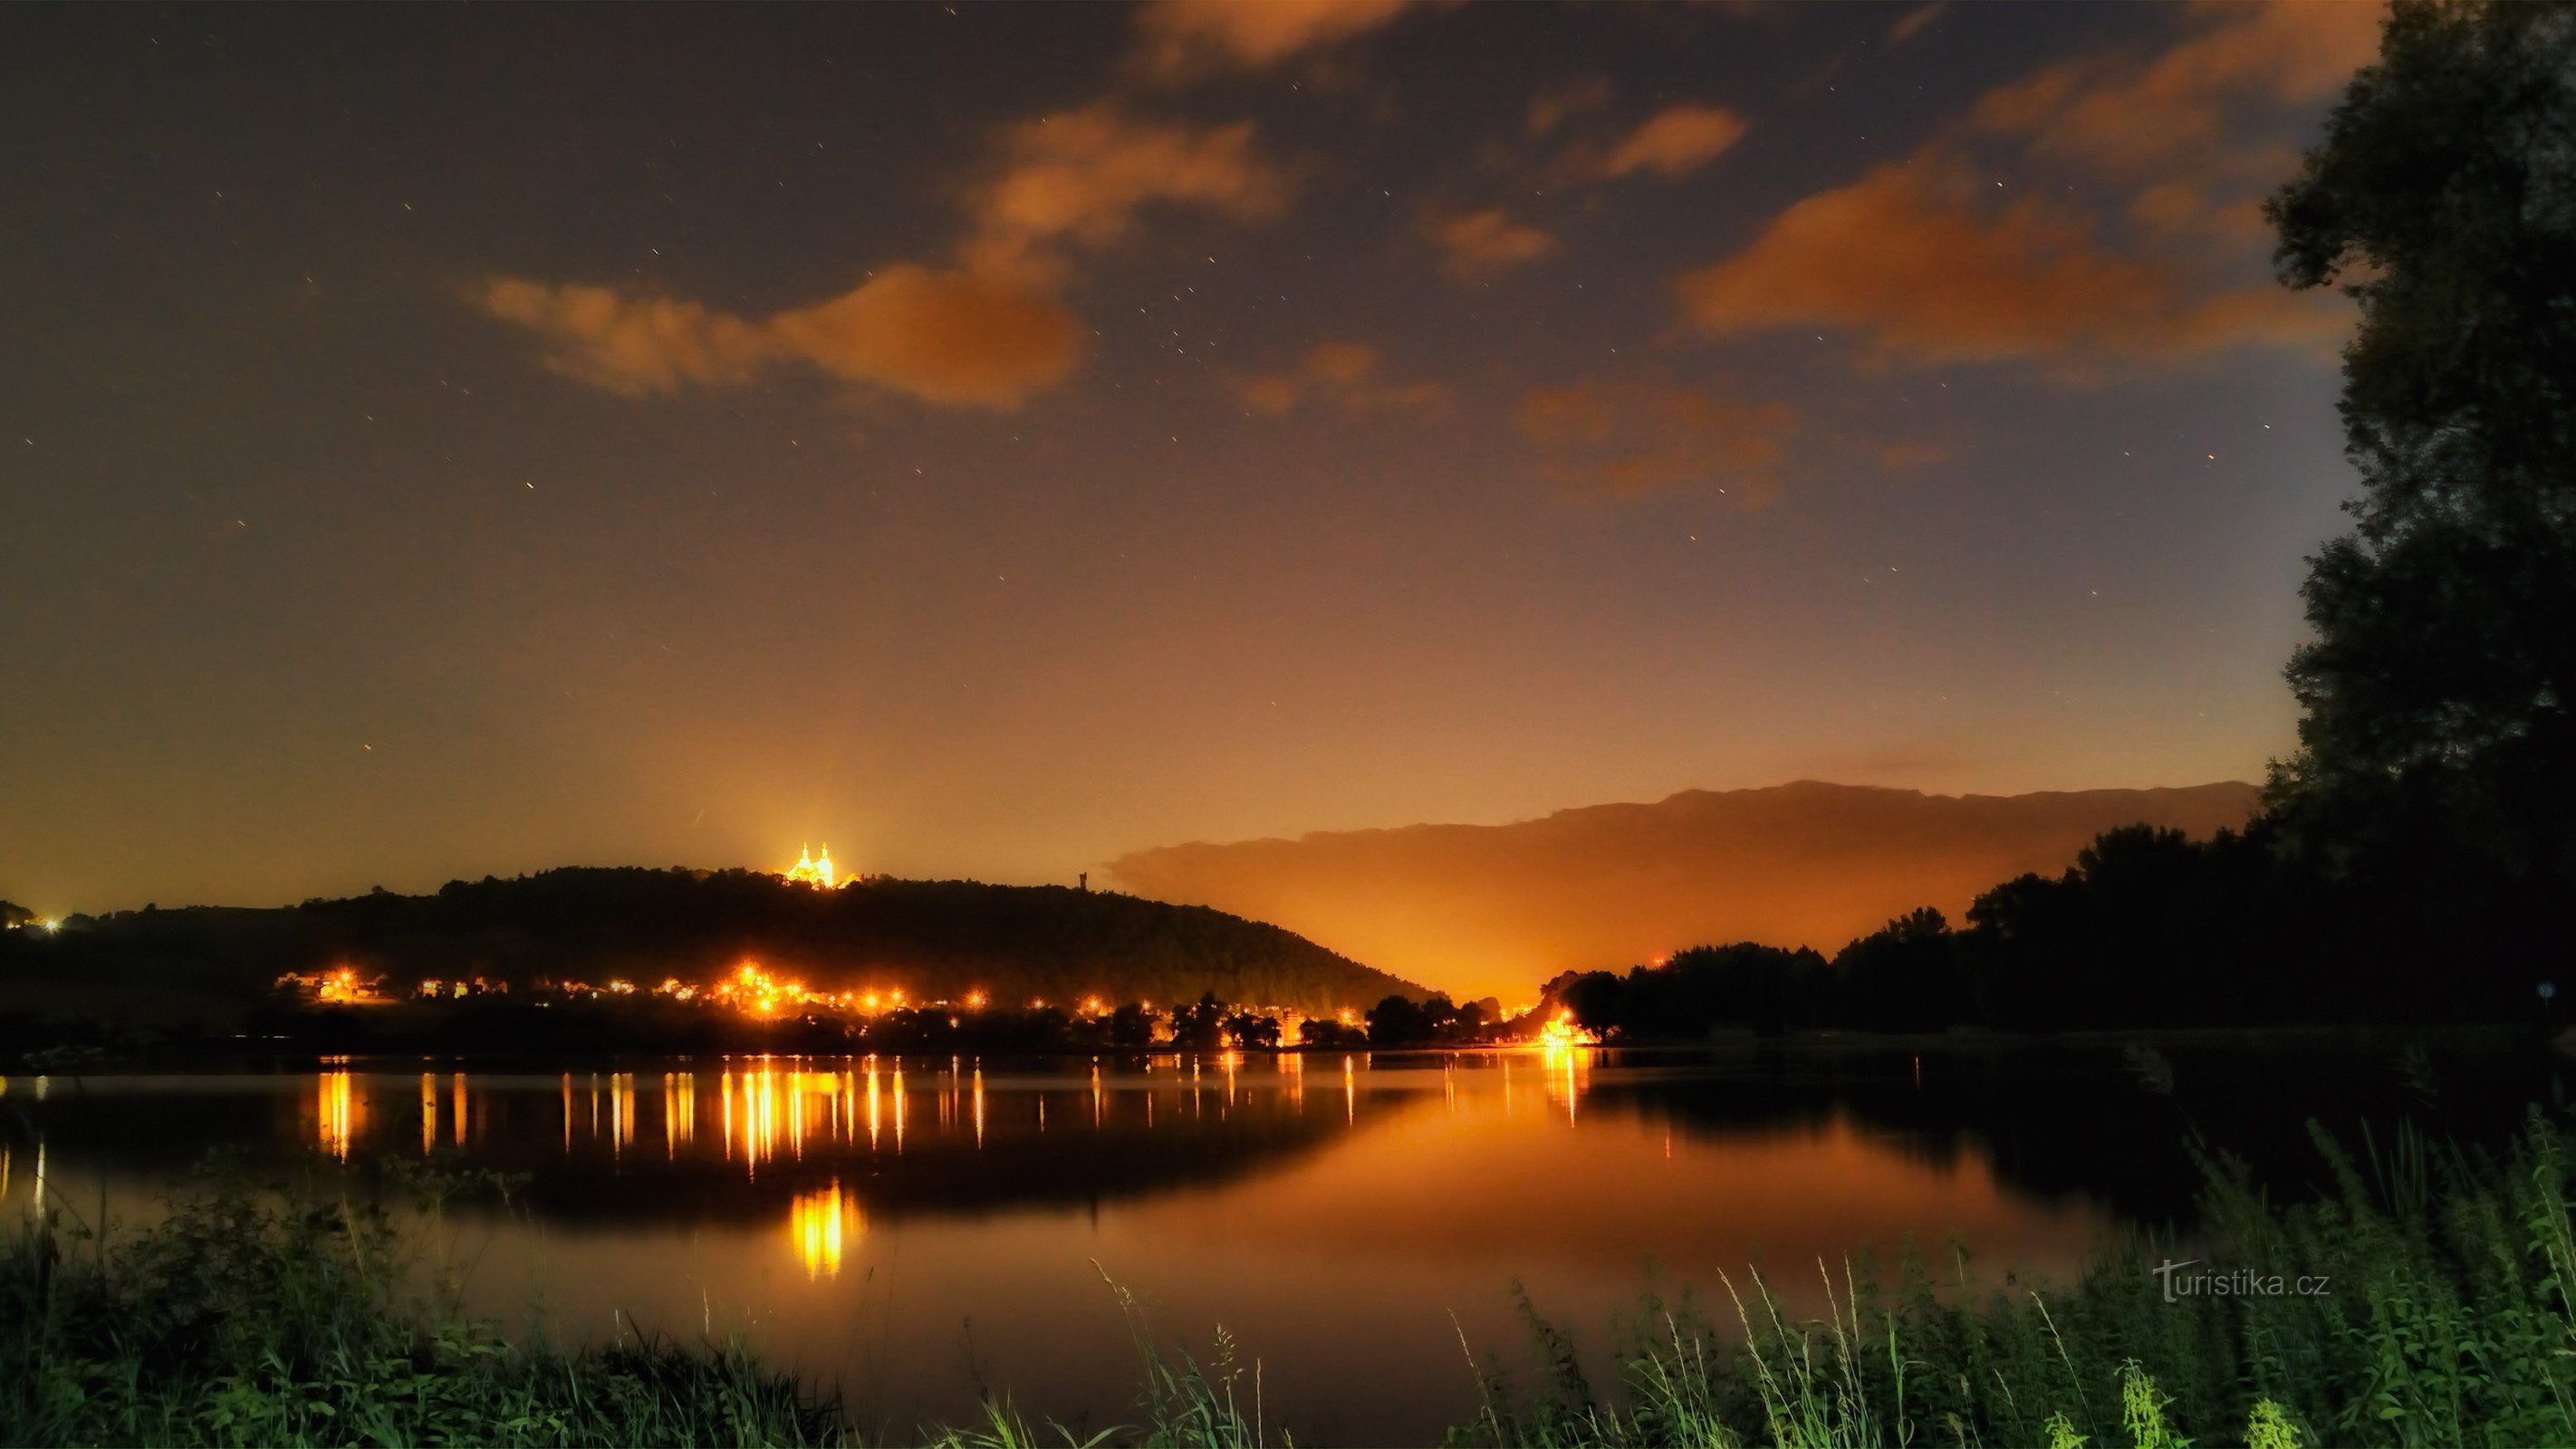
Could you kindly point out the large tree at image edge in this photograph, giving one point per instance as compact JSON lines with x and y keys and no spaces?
{"x":2436,"y":755}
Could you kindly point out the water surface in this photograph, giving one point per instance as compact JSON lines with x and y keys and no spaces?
{"x":911,"y":1230}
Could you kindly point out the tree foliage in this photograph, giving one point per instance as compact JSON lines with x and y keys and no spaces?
{"x":2437,"y":755}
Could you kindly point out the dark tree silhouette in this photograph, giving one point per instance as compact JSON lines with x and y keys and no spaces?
{"x":1199,"y":1026}
{"x":1400,"y":1021}
{"x":1132,"y":1025}
{"x":2437,"y":761}
{"x":1904,"y":977}
{"x":1244,"y":1029}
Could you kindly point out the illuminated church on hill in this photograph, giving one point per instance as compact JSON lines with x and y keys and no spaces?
{"x":814,"y":869}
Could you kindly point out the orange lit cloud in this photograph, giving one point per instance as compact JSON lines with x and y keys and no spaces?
{"x":942,"y":337}
{"x":1551,"y":108}
{"x":1915,"y":259}
{"x":1479,"y":244}
{"x":2131,"y":116}
{"x":1189,"y":36}
{"x":1632,"y":440}
{"x":988,"y":334}
{"x":1082,"y":177}
{"x":1676,"y":141}
{"x":1912,"y":22}
{"x":1936,"y":259}
{"x":631,"y":345}
{"x":1344,"y":374}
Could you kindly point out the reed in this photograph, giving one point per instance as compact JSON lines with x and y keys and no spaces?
{"x":260,"y":1318}
{"x":2444,"y":1320}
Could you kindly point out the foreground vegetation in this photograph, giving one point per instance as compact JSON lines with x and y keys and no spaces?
{"x":2444,"y":1318}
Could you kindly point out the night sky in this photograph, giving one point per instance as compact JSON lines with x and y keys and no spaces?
{"x":993,"y":438}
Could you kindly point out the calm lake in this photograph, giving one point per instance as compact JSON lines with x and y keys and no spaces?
{"x":910,"y":1229}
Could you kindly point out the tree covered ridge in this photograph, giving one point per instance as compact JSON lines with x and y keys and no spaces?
{"x":926,"y":938}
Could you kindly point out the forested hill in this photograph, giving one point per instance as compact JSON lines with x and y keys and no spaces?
{"x":926,"y":938}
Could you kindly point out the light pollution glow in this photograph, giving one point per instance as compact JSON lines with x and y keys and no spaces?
{"x":485,"y":506}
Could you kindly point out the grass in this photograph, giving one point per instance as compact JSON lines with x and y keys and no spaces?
{"x":264,"y":1319}
{"x":2445,"y":1321}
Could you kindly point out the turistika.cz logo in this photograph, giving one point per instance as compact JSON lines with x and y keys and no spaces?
{"x":2237,"y":1283}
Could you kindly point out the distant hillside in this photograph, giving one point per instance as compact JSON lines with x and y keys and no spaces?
{"x":1475,"y":909}
{"x":927,"y":938}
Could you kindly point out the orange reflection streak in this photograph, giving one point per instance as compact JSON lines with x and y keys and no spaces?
{"x":1095,"y":1096}
{"x":979,"y":1108}
{"x":796,"y":1114}
{"x":567,"y":1112}
{"x":1350,"y":1093}
{"x":875,"y":1114}
{"x":679,"y":1111}
{"x":898,"y":1108}
{"x":336,"y":1121}
{"x":456,"y":1088}
{"x":820,"y":1225}
{"x":760,"y":1125}
{"x":428,"y":1113}
{"x":1568,"y":1066}
{"x":621,"y":1109}
{"x":724,"y":1094}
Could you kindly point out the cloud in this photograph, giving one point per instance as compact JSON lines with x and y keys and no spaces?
{"x":1552,"y":107}
{"x":1912,"y":22}
{"x":1082,"y":176}
{"x":988,"y":333}
{"x":1916,"y":262}
{"x":2284,"y":52}
{"x":1630,"y":440}
{"x":943,"y":337}
{"x":631,"y":345}
{"x":1479,"y":244}
{"x":1933,"y":260}
{"x":1676,"y":141}
{"x":1344,"y":374}
{"x":1187,"y":37}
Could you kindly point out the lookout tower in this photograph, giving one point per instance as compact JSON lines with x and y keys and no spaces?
{"x":814,"y":869}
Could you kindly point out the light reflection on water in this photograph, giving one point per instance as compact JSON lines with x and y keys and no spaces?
{"x":886,"y":1223}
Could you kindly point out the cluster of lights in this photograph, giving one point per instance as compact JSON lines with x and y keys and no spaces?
{"x":752,"y":990}
{"x":1562,"y":1034}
